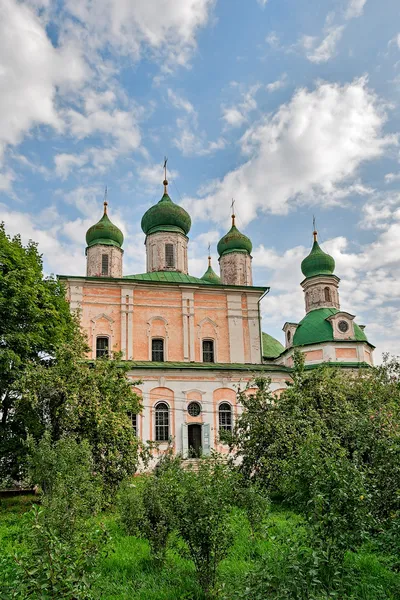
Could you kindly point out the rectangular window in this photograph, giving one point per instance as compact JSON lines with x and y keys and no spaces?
{"x":169,"y":255}
{"x":208,"y":351}
{"x":157,"y":350}
{"x":101,"y":347}
{"x":133,"y":418}
{"x":104,"y":265}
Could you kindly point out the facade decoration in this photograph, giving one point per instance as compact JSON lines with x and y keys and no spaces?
{"x":193,"y":341}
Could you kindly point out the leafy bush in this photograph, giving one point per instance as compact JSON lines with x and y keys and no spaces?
{"x":51,"y":567}
{"x":71,"y":489}
{"x":147,"y":509}
{"x":203,"y":506}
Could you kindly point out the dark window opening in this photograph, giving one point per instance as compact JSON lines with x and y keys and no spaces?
{"x":157,"y":350}
{"x":208,"y":351}
{"x":101,"y":347}
{"x":327,"y":293}
{"x":194,"y":409}
{"x":225,"y":417}
{"x":133,"y":419}
{"x":104,"y":264}
{"x":162,"y":422}
{"x":169,"y":255}
{"x":289,"y":335}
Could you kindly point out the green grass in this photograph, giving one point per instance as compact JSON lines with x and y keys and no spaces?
{"x":129,"y":573}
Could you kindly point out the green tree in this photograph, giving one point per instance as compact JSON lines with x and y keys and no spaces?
{"x":90,"y":400}
{"x":34,"y":319}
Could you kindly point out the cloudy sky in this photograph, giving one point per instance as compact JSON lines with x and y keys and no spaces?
{"x":289,"y":106}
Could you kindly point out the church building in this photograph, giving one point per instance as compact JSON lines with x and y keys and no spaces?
{"x":192,"y":342}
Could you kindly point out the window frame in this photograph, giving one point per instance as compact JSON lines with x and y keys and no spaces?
{"x":223,"y":412}
{"x":158,"y":339}
{"x":170,"y":260}
{"x":213,"y":350}
{"x":162,"y":430}
{"x":327,"y":294}
{"x":103,"y":352}
{"x":105,"y":272}
{"x":135,"y":425}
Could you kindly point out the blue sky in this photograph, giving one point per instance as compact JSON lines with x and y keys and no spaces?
{"x":289,"y":106}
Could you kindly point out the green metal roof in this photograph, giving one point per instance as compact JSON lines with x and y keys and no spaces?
{"x":104,"y":232}
{"x":166,"y":215}
{"x":249,"y":367}
{"x":271,"y":347}
{"x":317,"y":262}
{"x":168,"y":277}
{"x":315,"y":328}
{"x":234,"y":241}
{"x":211,"y":276}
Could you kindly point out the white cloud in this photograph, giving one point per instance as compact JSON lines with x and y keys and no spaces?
{"x":235,"y":116}
{"x":193,"y":142}
{"x":32,"y":70}
{"x":308,"y":152}
{"x":272,"y":40}
{"x":262,"y":3}
{"x":180,"y":103}
{"x":327,"y":48}
{"x":167,"y":27}
{"x":278,"y":84}
{"x":355,"y":9}
{"x":390,"y":177}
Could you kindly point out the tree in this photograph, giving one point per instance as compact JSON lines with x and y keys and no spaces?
{"x":34,"y":319}
{"x":90,"y":400}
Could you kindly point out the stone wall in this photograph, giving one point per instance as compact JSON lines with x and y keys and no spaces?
{"x":155,"y":251}
{"x":236,"y":268}
{"x":94,"y":257}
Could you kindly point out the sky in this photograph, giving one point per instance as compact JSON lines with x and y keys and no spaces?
{"x":291,"y":107}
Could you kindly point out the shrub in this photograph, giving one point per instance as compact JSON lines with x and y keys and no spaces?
{"x":71,"y":490}
{"x":202,"y":507}
{"x":146,"y":511}
{"x":51,"y":567}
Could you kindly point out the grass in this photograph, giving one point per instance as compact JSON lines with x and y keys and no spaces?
{"x":128,"y":572}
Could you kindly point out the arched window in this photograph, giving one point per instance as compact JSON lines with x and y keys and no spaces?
{"x":101,"y":347}
{"x":208,"y":351}
{"x":157,"y":350}
{"x":162,"y":422}
{"x":327,"y":293}
{"x":288,"y":336}
{"x":169,"y":255}
{"x":104,"y":265}
{"x":225,"y":417}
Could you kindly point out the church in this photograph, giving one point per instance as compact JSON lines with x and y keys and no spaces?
{"x":192,"y":342}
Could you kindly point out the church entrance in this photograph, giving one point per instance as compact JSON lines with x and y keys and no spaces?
{"x":194,"y":440}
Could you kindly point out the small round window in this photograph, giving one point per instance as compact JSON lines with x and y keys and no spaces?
{"x":194,"y":409}
{"x":343,"y":326}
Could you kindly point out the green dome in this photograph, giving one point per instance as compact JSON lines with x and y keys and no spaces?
{"x":104,"y":232}
{"x":211,"y":276}
{"x":271,"y":347}
{"x":166,"y":216}
{"x":317,"y":262}
{"x":234,"y":241}
{"x":315,"y":329}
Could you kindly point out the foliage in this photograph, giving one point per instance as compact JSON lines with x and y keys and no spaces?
{"x":71,"y":490}
{"x":202,"y":508}
{"x":34,"y":319}
{"x":146,"y":511}
{"x":87,"y":400}
{"x":51,"y":567}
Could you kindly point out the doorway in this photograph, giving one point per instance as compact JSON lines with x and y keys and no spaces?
{"x":194,"y":440}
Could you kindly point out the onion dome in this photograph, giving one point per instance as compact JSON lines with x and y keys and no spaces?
{"x":210,"y":275}
{"x":234,"y":241}
{"x":104,"y":232}
{"x":166,"y":216}
{"x":317,"y":262}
